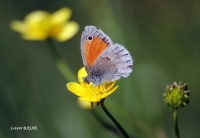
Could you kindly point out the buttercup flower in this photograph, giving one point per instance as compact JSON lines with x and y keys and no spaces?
{"x":177,"y":95}
{"x":39,"y":25}
{"x":89,"y":92}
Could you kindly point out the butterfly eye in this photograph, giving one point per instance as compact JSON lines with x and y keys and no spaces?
{"x":90,"y":38}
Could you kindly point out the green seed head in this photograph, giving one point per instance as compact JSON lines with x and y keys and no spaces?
{"x":177,"y":95}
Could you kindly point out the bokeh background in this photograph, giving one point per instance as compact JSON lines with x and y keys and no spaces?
{"x":163,"y":39}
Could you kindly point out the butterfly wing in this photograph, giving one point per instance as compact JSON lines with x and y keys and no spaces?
{"x":93,"y":43}
{"x":113,"y":63}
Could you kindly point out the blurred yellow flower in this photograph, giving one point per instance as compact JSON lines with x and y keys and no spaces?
{"x":39,"y":25}
{"x":89,"y":92}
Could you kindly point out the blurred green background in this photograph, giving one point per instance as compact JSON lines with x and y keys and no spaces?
{"x":163,"y":39}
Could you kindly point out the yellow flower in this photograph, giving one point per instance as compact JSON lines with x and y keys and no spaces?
{"x":89,"y":92}
{"x":39,"y":25}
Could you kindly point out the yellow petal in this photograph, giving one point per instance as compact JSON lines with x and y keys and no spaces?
{"x":60,"y":16}
{"x":87,"y":99}
{"x":38,"y":23}
{"x":68,"y":31}
{"x":104,"y":95}
{"x":112,"y":89}
{"x":27,"y":33}
{"x":82,"y":73}
{"x":37,"y":17}
{"x":110,"y":85}
{"x":17,"y":26}
{"x":76,"y":88}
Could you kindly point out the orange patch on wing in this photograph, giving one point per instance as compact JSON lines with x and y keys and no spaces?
{"x":93,"y":48}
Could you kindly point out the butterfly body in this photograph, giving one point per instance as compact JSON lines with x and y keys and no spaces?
{"x":103,"y":60}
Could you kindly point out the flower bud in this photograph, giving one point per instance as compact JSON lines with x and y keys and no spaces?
{"x":87,"y":105}
{"x":177,"y":95}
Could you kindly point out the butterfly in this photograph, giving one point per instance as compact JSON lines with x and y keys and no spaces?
{"x":103,"y":60}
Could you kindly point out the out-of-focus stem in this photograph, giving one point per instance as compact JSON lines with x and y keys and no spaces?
{"x":60,"y":64}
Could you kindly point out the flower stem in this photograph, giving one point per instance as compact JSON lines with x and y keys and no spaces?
{"x":175,"y":110}
{"x":61,"y":65}
{"x":114,"y":120}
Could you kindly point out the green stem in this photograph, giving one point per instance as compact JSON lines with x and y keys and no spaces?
{"x":61,"y":65}
{"x":114,"y":120}
{"x":175,"y":110}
